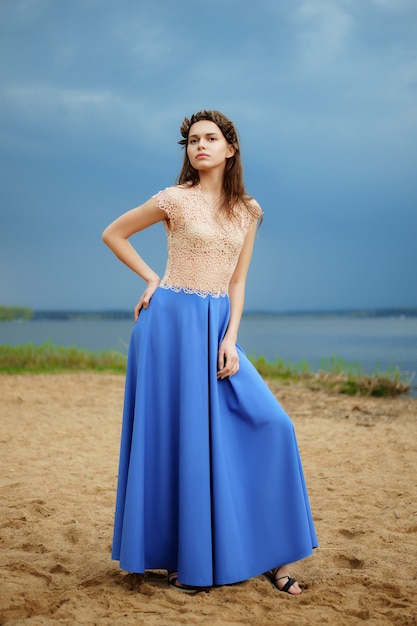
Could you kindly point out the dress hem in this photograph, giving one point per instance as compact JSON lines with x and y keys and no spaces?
{"x":222,"y":582}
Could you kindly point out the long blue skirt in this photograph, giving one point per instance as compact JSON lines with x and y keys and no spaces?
{"x":210,"y":478}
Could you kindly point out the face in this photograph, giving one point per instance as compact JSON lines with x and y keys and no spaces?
{"x":207,"y":148}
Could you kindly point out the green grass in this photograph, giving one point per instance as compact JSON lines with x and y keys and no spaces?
{"x":334,"y":375}
{"x":49,"y":358}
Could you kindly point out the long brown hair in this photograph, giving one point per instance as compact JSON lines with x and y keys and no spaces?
{"x":233,"y":184}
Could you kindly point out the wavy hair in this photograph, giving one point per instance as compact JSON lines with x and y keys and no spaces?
{"x":233,"y":184}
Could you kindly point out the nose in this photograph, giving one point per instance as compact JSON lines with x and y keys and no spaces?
{"x":200,"y":144}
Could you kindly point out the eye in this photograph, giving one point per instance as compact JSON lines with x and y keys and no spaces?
{"x":192,"y":141}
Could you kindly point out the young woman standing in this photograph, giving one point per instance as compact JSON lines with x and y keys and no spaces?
{"x":210,"y":486}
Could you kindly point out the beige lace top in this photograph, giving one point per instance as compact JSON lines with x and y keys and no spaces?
{"x":203,"y":244}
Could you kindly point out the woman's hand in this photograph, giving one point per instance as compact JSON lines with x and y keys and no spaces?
{"x":228,"y":359}
{"x":146,"y":298}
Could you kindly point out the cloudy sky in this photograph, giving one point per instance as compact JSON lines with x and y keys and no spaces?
{"x":323,"y":92}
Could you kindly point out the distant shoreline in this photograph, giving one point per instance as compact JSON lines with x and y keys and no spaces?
{"x":70,"y":315}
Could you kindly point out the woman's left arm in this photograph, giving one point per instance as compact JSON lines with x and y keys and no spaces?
{"x":228,"y":360}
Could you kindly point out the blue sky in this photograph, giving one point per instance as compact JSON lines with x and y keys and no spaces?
{"x":323,"y":92}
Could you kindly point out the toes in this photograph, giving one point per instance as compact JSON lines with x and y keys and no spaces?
{"x":294,"y":589}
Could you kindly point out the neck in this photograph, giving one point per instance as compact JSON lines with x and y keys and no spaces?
{"x":211,"y":182}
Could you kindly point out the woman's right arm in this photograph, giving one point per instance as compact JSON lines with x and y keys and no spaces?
{"x":116,"y":237}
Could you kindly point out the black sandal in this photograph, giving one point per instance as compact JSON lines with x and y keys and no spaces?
{"x":173,"y":582}
{"x":271,"y":575}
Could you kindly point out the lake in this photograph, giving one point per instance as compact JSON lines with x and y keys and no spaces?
{"x":375,"y":342}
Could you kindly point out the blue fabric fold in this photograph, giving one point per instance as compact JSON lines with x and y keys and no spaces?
{"x":210,"y":478}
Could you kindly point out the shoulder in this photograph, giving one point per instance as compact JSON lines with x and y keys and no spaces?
{"x":168,"y":192}
{"x":175,"y":192}
{"x":255,"y":208}
{"x":171,"y":200}
{"x":249,"y":211}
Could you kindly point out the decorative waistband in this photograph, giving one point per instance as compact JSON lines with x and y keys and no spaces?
{"x":197,"y":292}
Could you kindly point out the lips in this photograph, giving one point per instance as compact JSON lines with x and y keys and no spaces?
{"x":201,"y":156}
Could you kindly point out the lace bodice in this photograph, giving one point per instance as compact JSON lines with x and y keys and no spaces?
{"x":203,"y":244}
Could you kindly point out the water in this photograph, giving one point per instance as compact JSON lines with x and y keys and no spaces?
{"x":375,"y":342}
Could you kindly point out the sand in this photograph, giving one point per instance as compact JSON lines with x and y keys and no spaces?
{"x":59,"y":440}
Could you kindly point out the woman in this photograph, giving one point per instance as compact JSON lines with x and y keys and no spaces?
{"x":210,"y":484}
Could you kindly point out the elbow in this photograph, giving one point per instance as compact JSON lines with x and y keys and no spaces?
{"x":105,"y":237}
{"x":238,"y":282}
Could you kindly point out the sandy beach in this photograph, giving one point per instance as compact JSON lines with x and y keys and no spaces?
{"x":59,"y":444}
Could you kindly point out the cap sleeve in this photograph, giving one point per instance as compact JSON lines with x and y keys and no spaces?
{"x":250,"y":217}
{"x":165,"y":200}
{"x":257,"y":210}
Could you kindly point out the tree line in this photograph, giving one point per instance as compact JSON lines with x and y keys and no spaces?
{"x":10,"y":313}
